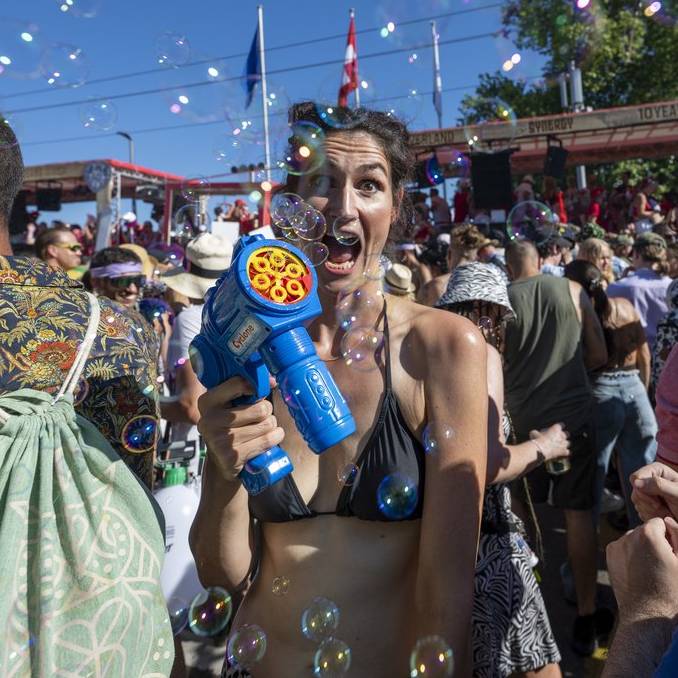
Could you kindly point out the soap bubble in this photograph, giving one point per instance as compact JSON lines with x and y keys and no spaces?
{"x":139,"y":434}
{"x":64,"y":66}
{"x":532,"y":220}
{"x":280,"y":586}
{"x":210,"y":612}
{"x":246,"y":646}
{"x":304,"y":152}
{"x":332,"y":659}
{"x":178,"y":614}
{"x":316,"y":252}
{"x":207,"y":103}
{"x":334,"y":116}
{"x":308,"y":223}
{"x":431,"y":658}
{"x":376,"y":266}
{"x":15,"y":126}
{"x":485,"y":323}
{"x":21,"y":49}
{"x":320,"y":619}
{"x":348,"y":474}
{"x":359,"y":347}
{"x":435,"y":435}
{"x":361,"y":307}
{"x":492,"y":127}
{"x":284,"y":206}
{"x":192,"y":189}
{"x":224,"y":150}
{"x":397,"y":496}
{"x":172,"y":49}
{"x":82,"y":9}
{"x":100,"y":115}
{"x":185,"y":220}
{"x":343,"y":236}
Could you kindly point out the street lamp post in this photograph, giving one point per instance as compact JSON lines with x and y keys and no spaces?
{"x":130,"y":143}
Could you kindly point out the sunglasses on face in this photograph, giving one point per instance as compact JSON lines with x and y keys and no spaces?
{"x":68,"y":246}
{"x":127,"y":280}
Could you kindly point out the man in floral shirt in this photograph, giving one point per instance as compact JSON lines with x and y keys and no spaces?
{"x":43,"y":317}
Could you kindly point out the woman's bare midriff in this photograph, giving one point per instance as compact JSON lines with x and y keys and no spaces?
{"x":366,"y":568}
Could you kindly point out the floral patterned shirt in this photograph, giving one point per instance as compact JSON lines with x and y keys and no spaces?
{"x":43,"y":318}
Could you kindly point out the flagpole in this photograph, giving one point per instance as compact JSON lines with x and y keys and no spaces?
{"x":438,"y":88}
{"x":351,"y":14}
{"x":437,"y":79}
{"x":264,"y":93}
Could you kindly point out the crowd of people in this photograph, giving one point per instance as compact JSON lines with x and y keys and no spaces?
{"x":506,"y":369}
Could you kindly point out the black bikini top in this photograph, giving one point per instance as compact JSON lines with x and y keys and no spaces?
{"x":391,"y":449}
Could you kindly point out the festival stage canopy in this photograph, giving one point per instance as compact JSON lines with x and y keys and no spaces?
{"x":609,"y":135}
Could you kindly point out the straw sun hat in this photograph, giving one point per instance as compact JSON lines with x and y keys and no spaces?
{"x":207,"y":257}
{"x":398,"y":280}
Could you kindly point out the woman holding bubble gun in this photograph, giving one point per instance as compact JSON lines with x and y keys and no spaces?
{"x":352,"y":561}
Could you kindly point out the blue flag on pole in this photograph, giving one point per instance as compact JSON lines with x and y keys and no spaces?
{"x":252,"y":69}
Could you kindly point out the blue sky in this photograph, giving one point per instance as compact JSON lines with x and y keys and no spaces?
{"x":122,"y":36}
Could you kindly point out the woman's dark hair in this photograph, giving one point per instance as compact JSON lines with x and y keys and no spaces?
{"x":113,"y":255}
{"x":591,"y":279}
{"x":392,"y":136}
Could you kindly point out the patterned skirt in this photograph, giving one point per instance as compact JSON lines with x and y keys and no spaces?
{"x":511,"y":629}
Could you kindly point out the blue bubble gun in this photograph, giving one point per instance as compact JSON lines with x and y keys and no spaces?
{"x":253,"y":325}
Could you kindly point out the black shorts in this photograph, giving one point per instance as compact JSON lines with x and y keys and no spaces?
{"x":572,"y":490}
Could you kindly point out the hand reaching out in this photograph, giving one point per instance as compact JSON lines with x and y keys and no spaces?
{"x":655,"y":491}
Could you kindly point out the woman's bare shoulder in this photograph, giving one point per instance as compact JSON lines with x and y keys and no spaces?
{"x":623,"y":308}
{"x":432,"y":329}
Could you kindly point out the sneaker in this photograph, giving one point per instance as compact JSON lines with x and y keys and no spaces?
{"x":584,"y":640}
{"x":589,"y":628}
{"x":610,"y":502}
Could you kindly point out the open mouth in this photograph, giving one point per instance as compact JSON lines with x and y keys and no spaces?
{"x":342,"y":256}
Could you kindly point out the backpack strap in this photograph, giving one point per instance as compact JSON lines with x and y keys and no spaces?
{"x":73,"y":376}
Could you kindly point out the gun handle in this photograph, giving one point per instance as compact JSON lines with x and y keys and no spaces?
{"x":265,"y":469}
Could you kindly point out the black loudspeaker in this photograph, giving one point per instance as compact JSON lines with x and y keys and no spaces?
{"x":48,"y":199}
{"x":18,"y":219}
{"x":491,"y":179}
{"x":555,"y":161}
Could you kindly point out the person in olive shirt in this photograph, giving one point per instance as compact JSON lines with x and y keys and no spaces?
{"x":554,"y":340}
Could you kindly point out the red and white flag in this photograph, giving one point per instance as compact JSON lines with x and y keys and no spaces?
{"x":349,"y":78}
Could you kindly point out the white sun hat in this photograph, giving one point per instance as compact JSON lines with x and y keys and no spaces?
{"x":207,"y":257}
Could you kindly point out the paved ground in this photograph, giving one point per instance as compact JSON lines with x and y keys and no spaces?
{"x":204,"y":659}
{"x":561,"y":613}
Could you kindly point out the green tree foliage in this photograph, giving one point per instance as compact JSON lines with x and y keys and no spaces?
{"x":626,"y":57}
{"x":526,"y":101}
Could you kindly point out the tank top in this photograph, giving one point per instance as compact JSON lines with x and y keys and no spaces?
{"x":544,"y":373}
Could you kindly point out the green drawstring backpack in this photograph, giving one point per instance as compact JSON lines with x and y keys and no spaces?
{"x":81,"y":546}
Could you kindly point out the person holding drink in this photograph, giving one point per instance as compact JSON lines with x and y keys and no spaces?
{"x":552,"y":343}
{"x":511,"y":630}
